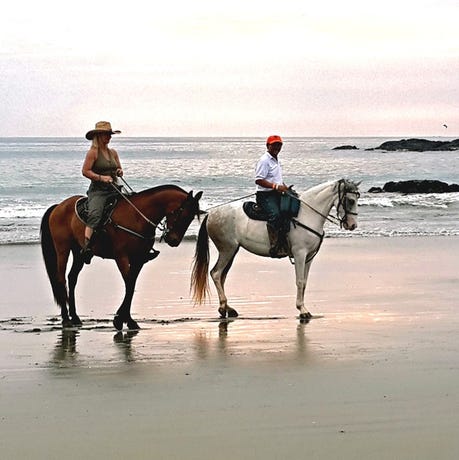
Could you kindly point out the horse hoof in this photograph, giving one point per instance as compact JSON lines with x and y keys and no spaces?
{"x":232,"y":313}
{"x":76,"y":321}
{"x":222,"y":312}
{"x":305,"y":317}
{"x":118,"y":323}
{"x":66,"y":324}
{"x":133,"y":325}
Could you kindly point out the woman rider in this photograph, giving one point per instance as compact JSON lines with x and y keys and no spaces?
{"x":102,"y":166}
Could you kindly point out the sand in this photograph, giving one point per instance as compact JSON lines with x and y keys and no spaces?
{"x":374,"y":376}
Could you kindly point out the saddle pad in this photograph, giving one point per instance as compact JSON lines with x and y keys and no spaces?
{"x":254,"y":211}
{"x":81,"y":209}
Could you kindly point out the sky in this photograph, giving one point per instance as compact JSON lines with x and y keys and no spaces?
{"x":230,"y":68}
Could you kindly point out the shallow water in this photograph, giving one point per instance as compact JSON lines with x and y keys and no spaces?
{"x":39,"y":172}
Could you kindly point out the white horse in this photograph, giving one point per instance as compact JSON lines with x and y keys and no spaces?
{"x":230,"y":228}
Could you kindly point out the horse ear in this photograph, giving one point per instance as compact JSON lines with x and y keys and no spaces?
{"x":198,"y":196}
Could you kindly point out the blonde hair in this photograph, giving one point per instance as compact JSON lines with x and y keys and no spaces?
{"x":95,"y":141}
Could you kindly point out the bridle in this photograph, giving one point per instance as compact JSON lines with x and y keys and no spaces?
{"x":343,"y":202}
{"x":174,"y":217}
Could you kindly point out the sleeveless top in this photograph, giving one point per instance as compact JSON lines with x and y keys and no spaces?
{"x":105,"y":167}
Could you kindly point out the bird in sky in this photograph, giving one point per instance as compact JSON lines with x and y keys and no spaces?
{"x":445,"y":125}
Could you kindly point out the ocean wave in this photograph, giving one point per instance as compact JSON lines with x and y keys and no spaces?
{"x":430,"y":200}
{"x":22,"y":211}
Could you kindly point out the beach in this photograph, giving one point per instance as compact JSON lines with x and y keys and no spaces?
{"x":374,"y":375}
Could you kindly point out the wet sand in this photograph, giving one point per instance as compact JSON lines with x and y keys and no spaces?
{"x":375,"y":375}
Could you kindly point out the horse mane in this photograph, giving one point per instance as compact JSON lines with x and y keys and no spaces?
{"x":349,"y":186}
{"x":160,"y":188}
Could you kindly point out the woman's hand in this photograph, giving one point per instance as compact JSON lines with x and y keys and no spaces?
{"x":119,"y":172}
{"x":106,"y":179}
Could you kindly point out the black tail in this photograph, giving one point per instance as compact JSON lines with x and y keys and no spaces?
{"x":50,"y":257}
{"x":199,"y":272}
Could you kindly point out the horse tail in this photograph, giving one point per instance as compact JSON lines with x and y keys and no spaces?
{"x":50,"y":257}
{"x":200,"y":270}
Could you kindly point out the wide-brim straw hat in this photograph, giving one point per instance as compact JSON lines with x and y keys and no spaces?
{"x":101,"y":127}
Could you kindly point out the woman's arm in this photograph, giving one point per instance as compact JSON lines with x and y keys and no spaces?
{"x":89,"y":161}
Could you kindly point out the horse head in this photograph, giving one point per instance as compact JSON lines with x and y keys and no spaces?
{"x":347,"y":196}
{"x":179,"y":219}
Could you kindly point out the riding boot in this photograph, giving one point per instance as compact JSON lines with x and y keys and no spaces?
{"x":86,"y":251}
{"x":275,"y":249}
{"x":277,"y":245}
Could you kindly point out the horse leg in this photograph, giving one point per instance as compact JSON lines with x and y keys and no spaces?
{"x":61,"y":286}
{"x":77,"y":265}
{"x":218,"y":273}
{"x":302,"y":272}
{"x":130,"y":271}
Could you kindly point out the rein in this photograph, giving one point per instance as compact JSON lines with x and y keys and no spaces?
{"x":228,"y":202}
{"x":160,"y":226}
{"x":134,"y":206}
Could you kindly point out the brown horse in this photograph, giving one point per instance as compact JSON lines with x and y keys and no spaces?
{"x":127,"y":238}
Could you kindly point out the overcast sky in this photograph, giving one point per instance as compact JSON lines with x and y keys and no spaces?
{"x":235,"y":68}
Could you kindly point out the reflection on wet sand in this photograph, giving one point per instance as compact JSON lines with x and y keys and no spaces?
{"x":65,"y":352}
{"x":124,"y":342}
{"x":175,"y":342}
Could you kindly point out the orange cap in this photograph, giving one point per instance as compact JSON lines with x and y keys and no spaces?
{"x":273,"y":140}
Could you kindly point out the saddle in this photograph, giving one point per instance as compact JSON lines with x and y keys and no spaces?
{"x":289,"y":207}
{"x":81,"y":210}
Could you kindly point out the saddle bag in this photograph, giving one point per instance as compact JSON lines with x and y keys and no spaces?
{"x":290,"y":203}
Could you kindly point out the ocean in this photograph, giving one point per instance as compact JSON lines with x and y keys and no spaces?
{"x":39,"y":172}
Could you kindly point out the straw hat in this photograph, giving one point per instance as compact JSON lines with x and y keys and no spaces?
{"x":101,"y":127}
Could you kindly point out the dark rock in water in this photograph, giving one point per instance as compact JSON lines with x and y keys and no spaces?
{"x":345,"y":147}
{"x":419,"y":145}
{"x":375,"y":190}
{"x":416,"y":186}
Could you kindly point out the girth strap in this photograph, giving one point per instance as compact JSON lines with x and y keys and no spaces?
{"x":296,"y":222}
{"x":314,"y":232}
{"x":128,"y":230}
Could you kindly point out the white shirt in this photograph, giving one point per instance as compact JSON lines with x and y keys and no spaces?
{"x":270,"y":169}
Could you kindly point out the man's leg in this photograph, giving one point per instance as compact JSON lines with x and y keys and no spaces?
{"x":269,"y":201}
